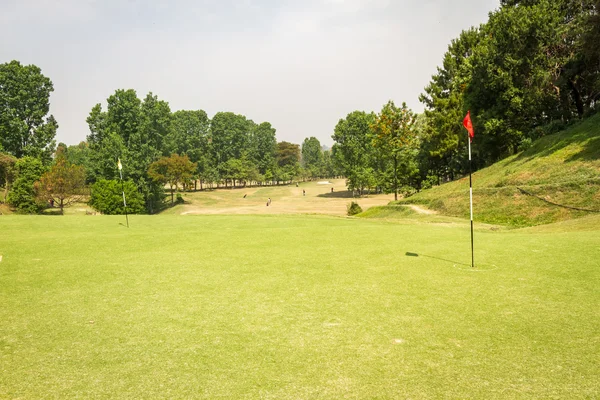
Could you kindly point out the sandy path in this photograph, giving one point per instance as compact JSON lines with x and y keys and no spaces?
{"x":421,"y":210}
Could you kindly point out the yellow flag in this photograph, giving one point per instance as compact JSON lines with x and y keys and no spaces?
{"x":119,"y":164}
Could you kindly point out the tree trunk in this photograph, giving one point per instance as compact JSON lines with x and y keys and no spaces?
{"x":395,"y":177}
{"x":577,"y":96}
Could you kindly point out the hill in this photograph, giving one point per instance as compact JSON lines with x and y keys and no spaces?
{"x":556,"y":179}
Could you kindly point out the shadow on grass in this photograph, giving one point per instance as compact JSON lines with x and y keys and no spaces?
{"x":345,"y":194}
{"x":409,"y":254}
{"x":52,"y":211}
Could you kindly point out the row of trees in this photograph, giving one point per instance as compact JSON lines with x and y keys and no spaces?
{"x":378,"y":151}
{"x":229,"y":149}
{"x":531,"y":70}
{"x":157,"y":147}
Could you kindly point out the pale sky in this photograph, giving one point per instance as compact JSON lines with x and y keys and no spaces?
{"x":301,"y":65}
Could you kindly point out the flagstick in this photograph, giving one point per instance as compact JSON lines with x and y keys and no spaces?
{"x":124,"y":202}
{"x":471,"y":203}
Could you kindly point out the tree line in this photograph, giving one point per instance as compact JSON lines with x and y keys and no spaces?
{"x":156,"y":147}
{"x":531,"y":70}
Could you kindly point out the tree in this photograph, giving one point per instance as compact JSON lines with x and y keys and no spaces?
{"x":230,"y":135}
{"x":25,"y":128}
{"x":394,"y":133}
{"x":312,"y":156}
{"x":353,"y":151}
{"x":173,"y":170}
{"x":263,"y":144}
{"x":22,"y":195}
{"x":107,"y":197}
{"x":63,"y":184}
{"x":7,"y":172}
{"x":443,"y":132}
{"x":80,"y":154}
{"x":189,"y":134}
{"x":133,"y":131}
{"x":288,"y":161}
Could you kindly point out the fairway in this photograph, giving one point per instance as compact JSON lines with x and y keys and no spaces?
{"x":295,"y":307}
{"x":312,"y":197}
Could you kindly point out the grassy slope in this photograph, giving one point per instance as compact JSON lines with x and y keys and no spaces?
{"x":295,"y":307}
{"x":563,"y":168}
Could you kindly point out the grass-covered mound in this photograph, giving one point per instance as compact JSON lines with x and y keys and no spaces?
{"x":563,"y":168}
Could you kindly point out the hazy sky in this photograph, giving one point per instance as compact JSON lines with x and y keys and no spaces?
{"x":301,"y":65}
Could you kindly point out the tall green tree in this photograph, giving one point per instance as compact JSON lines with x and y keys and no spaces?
{"x":443,"y":133}
{"x":263,"y":144}
{"x":353,"y":150}
{"x":26,"y":129}
{"x":312,"y":156}
{"x":190,"y":136}
{"x":395,"y":136}
{"x":134,"y":131}
{"x":80,"y":154}
{"x":288,"y":161}
{"x":230,"y":135}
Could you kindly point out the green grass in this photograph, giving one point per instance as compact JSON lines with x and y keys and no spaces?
{"x":295,"y":307}
{"x":563,"y":168}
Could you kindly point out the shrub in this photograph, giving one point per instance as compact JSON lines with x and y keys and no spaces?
{"x":107,"y":197}
{"x":353,"y":208}
{"x":179,"y":199}
{"x":22,"y":195}
{"x":525,"y":144}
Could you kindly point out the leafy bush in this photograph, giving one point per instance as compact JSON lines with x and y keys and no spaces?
{"x":353,"y":208}
{"x":22,"y":195}
{"x":525,"y":144}
{"x":107,"y":197}
{"x":429,"y":182}
{"x":179,"y":199}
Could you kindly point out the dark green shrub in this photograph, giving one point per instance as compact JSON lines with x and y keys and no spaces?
{"x":22,"y":194}
{"x":179,"y":199}
{"x":107,"y":197}
{"x":525,"y":144}
{"x":353,"y":208}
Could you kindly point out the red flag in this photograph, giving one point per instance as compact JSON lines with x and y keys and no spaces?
{"x":469,"y":125}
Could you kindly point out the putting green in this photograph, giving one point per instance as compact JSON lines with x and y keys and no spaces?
{"x":295,"y":307}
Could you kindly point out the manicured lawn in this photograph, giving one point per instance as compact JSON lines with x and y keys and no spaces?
{"x":295,"y":307}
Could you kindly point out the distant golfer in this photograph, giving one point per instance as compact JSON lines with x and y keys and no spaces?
{"x":331,"y":190}
{"x":303,"y":192}
{"x":269,"y":202}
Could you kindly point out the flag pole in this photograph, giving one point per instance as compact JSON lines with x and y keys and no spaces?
{"x":468,"y":124}
{"x":123,"y":190}
{"x":471,"y":204}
